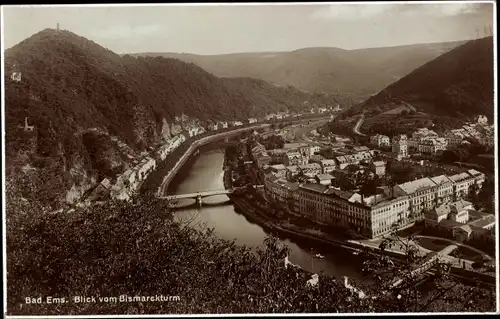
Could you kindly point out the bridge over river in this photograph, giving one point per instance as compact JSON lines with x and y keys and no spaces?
{"x":198,"y":196}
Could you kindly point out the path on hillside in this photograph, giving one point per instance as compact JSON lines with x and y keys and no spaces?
{"x":457,"y":243}
{"x":358,"y":125}
{"x":411,"y":107}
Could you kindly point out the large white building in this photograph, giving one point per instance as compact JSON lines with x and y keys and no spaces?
{"x":432,"y":146}
{"x":421,"y":194}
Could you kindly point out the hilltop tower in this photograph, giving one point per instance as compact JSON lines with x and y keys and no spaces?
{"x":57,"y":26}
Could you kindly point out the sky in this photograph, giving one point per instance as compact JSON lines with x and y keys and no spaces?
{"x":220,"y":29}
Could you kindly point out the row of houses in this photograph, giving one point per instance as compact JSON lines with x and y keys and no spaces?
{"x":428,"y":142}
{"x":170,"y":146}
{"x":373,"y":216}
{"x":128,"y":182}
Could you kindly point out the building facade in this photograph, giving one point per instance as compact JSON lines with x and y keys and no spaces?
{"x":400,"y":146}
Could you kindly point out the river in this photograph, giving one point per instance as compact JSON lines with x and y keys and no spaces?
{"x":205,"y":172}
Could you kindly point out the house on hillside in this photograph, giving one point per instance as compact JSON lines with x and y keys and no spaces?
{"x":15,"y":76}
{"x":481,"y":119}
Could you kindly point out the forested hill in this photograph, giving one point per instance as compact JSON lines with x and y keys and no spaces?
{"x":458,"y":83}
{"x":71,"y":84}
{"x":352,"y":75}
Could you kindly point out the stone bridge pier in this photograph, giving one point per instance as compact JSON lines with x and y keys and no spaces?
{"x":199,"y":200}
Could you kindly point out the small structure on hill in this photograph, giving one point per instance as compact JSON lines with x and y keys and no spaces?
{"x":28,"y":128}
{"x":16,"y":74}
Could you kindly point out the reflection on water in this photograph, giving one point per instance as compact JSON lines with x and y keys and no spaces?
{"x":205,"y":174}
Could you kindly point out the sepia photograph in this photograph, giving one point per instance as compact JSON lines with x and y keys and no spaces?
{"x":218,"y":159}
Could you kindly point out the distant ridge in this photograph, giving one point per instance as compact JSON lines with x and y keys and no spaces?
{"x":357,"y":73}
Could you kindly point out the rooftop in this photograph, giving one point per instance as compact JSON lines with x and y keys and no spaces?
{"x":466,"y":228}
{"x":441,"y":179}
{"x":278,"y":167}
{"x":379,"y":163}
{"x":442,"y":210}
{"x":413,"y":186}
{"x":317,"y":188}
{"x":483,"y":222}
{"x":459,"y":177}
{"x":460,"y":205}
{"x":339,"y":193}
{"x":324,"y":176}
{"x":289,"y":146}
{"x":271,"y":178}
{"x":310,"y":166}
{"x":328,"y":162}
{"x":277,"y":151}
{"x":474,"y":173}
{"x":448,"y":223}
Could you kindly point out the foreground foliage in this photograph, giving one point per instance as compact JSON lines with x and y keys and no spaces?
{"x":138,"y":249}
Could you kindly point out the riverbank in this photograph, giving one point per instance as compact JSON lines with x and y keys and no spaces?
{"x":255,"y":214}
{"x":246,"y":205}
{"x":165,"y":172}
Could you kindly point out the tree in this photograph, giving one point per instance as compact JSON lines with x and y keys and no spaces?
{"x":447,"y":293}
{"x":137,"y":248}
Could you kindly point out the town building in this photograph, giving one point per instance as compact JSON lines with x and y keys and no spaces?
{"x":479,"y":177}
{"x":263,"y":159}
{"x":280,"y":190}
{"x":378,"y":167}
{"x":360,"y":149}
{"x":346,"y":160}
{"x":310,"y":169}
{"x":277,"y":155}
{"x":145,"y":167}
{"x":372,"y":217}
{"x":252,"y":120}
{"x":422,"y":195}
{"x":324,"y":179}
{"x":423,"y":133}
{"x":453,"y":140}
{"x":316,"y":158}
{"x":328,"y":165}
{"x":459,"y":220}
{"x":444,"y":189}
{"x":399,"y":146}
{"x":462,"y":184}
{"x":278,"y":170}
{"x":292,"y":171}
{"x":295,"y":158}
{"x":432,"y":146}
{"x":481,"y":119}
{"x":380,"y":140}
